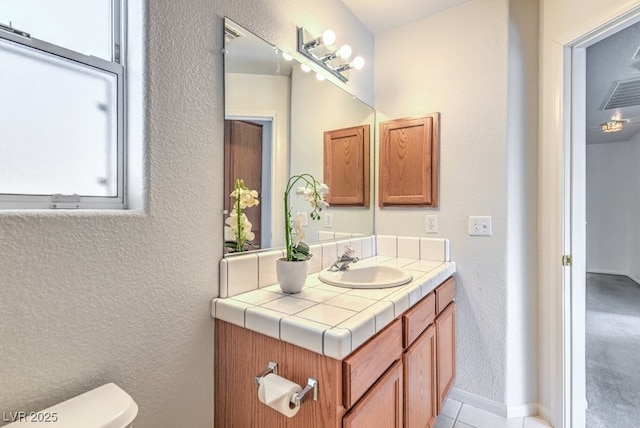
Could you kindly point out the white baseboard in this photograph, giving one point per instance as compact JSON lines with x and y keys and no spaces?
{"x":544,"y":413}
{"x":502,"y":410}
{"x":606,"y":272}
{"x":609,"y":272}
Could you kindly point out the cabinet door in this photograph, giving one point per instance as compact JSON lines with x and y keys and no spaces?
{"x":381,"y":406}
{"x":409,"y":161}
{"x":446,"y":351}
{"x":420,"y":381}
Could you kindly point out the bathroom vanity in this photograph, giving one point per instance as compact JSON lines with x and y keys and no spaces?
{"x":394,"y":374}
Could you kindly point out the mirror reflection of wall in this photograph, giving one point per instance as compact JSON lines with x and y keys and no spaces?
{"x":292,"y":109}
{"x":317,"y":107}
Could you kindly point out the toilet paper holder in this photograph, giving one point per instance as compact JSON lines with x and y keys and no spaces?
{"x":302,"y":396}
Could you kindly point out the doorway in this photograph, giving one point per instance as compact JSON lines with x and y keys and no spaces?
{"x":248,"y":156}
{"x":574,"y":216}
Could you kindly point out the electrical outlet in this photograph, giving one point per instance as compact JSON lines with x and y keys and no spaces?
{"x":305,"y":218}
{"x":431,"y":223}
{"x":480,"y":225}
{"x":328,"y":221}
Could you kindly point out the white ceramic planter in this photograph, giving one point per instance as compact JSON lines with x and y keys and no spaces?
{"x":291,"y":275}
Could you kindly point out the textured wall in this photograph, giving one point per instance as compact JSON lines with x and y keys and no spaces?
{"x":95,"y":297}
{"x":456,"y":63}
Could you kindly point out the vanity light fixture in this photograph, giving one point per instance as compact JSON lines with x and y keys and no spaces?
{"x":305,"y":68}
{"x":612,"y":126}
{"x":320,"y":52}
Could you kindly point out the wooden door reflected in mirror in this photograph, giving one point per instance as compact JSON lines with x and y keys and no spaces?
{"x":243,"y":160}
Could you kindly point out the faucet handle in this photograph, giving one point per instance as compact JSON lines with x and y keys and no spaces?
{"x":348,"y":251}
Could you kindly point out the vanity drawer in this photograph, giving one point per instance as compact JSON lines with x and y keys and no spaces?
{"x":418,"y":318}
{"x":445,"y":294}
{"x":362,"y":369}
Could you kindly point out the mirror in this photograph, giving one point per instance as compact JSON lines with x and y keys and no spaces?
{"x":276,"y":116}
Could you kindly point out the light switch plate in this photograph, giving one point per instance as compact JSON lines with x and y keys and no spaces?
{"x":480,"y":225}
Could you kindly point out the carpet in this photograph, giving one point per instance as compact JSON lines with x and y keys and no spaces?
{"x":613,"y":352}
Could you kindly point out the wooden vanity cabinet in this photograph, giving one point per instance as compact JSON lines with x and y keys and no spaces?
{"x":399,"y":378}
{"x":382,"y":406}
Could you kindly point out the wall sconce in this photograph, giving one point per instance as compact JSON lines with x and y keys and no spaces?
{"x":612,"y":126}
{"x":319,"y":51}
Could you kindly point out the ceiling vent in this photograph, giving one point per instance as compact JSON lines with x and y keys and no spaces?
{"x":623,"y":93}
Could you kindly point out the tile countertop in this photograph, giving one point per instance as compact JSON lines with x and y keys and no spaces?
{"x":329,"y":320}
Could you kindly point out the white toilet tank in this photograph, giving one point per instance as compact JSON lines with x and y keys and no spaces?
{"x":107,"y":406}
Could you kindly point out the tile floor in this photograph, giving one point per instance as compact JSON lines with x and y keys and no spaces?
{"x":457,"y":415}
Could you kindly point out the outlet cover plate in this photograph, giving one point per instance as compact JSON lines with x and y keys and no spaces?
{"x":431,"y":223}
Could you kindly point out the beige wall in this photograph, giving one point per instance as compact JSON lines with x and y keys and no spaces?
{"x":475,"y":64}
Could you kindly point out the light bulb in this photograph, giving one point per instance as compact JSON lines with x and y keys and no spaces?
{"x":305,"y":68}
{"x":320,"y":76}
{"x":344,"y":51}
{"x":358,"y":62}
{"x":286,"y":56}
{"x":328,"y":37}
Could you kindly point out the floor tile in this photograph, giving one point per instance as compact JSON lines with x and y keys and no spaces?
{"x":480,"y":418}
{"x":461,"y":425}
{"x":451,"y":408}
{"x":444,"y":422}
{"x":535,"y":422}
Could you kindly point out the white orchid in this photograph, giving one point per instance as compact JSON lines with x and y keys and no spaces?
{"x":314,"y":193}
{"x":237,"y":222}
{"x":299,"y":229}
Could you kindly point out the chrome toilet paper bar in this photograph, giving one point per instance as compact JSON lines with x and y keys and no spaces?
{"x":300,"y":397}
{"x":271,"y":368}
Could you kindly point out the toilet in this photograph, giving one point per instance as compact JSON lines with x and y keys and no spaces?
{"x":107,"y":406}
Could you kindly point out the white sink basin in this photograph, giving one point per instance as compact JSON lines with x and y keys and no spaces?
{"x":366,"y":277}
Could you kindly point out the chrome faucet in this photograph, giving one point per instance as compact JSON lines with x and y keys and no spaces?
{"x":344,"y":260}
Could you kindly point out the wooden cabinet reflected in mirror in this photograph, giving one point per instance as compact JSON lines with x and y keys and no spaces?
{"x":409,"y":161}
{"x":346,"y":166}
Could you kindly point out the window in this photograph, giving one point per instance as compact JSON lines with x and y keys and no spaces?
{"x":61,"y":104}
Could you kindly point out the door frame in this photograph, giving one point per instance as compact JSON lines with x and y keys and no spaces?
{"x":572,"y":127}
{"x":269,"y":211}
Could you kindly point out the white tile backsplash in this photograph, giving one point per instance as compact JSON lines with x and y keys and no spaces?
{"x":267,"y":267}
{"x":315,"y":262}
{"x":224,"y":278}
{"x":408,"y":247}
{"x":329,"y":254}
{"x":368,"y":247}
{"x":242,"y":273}
{"x":387,"y":245}
{"x":434,"y":249}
